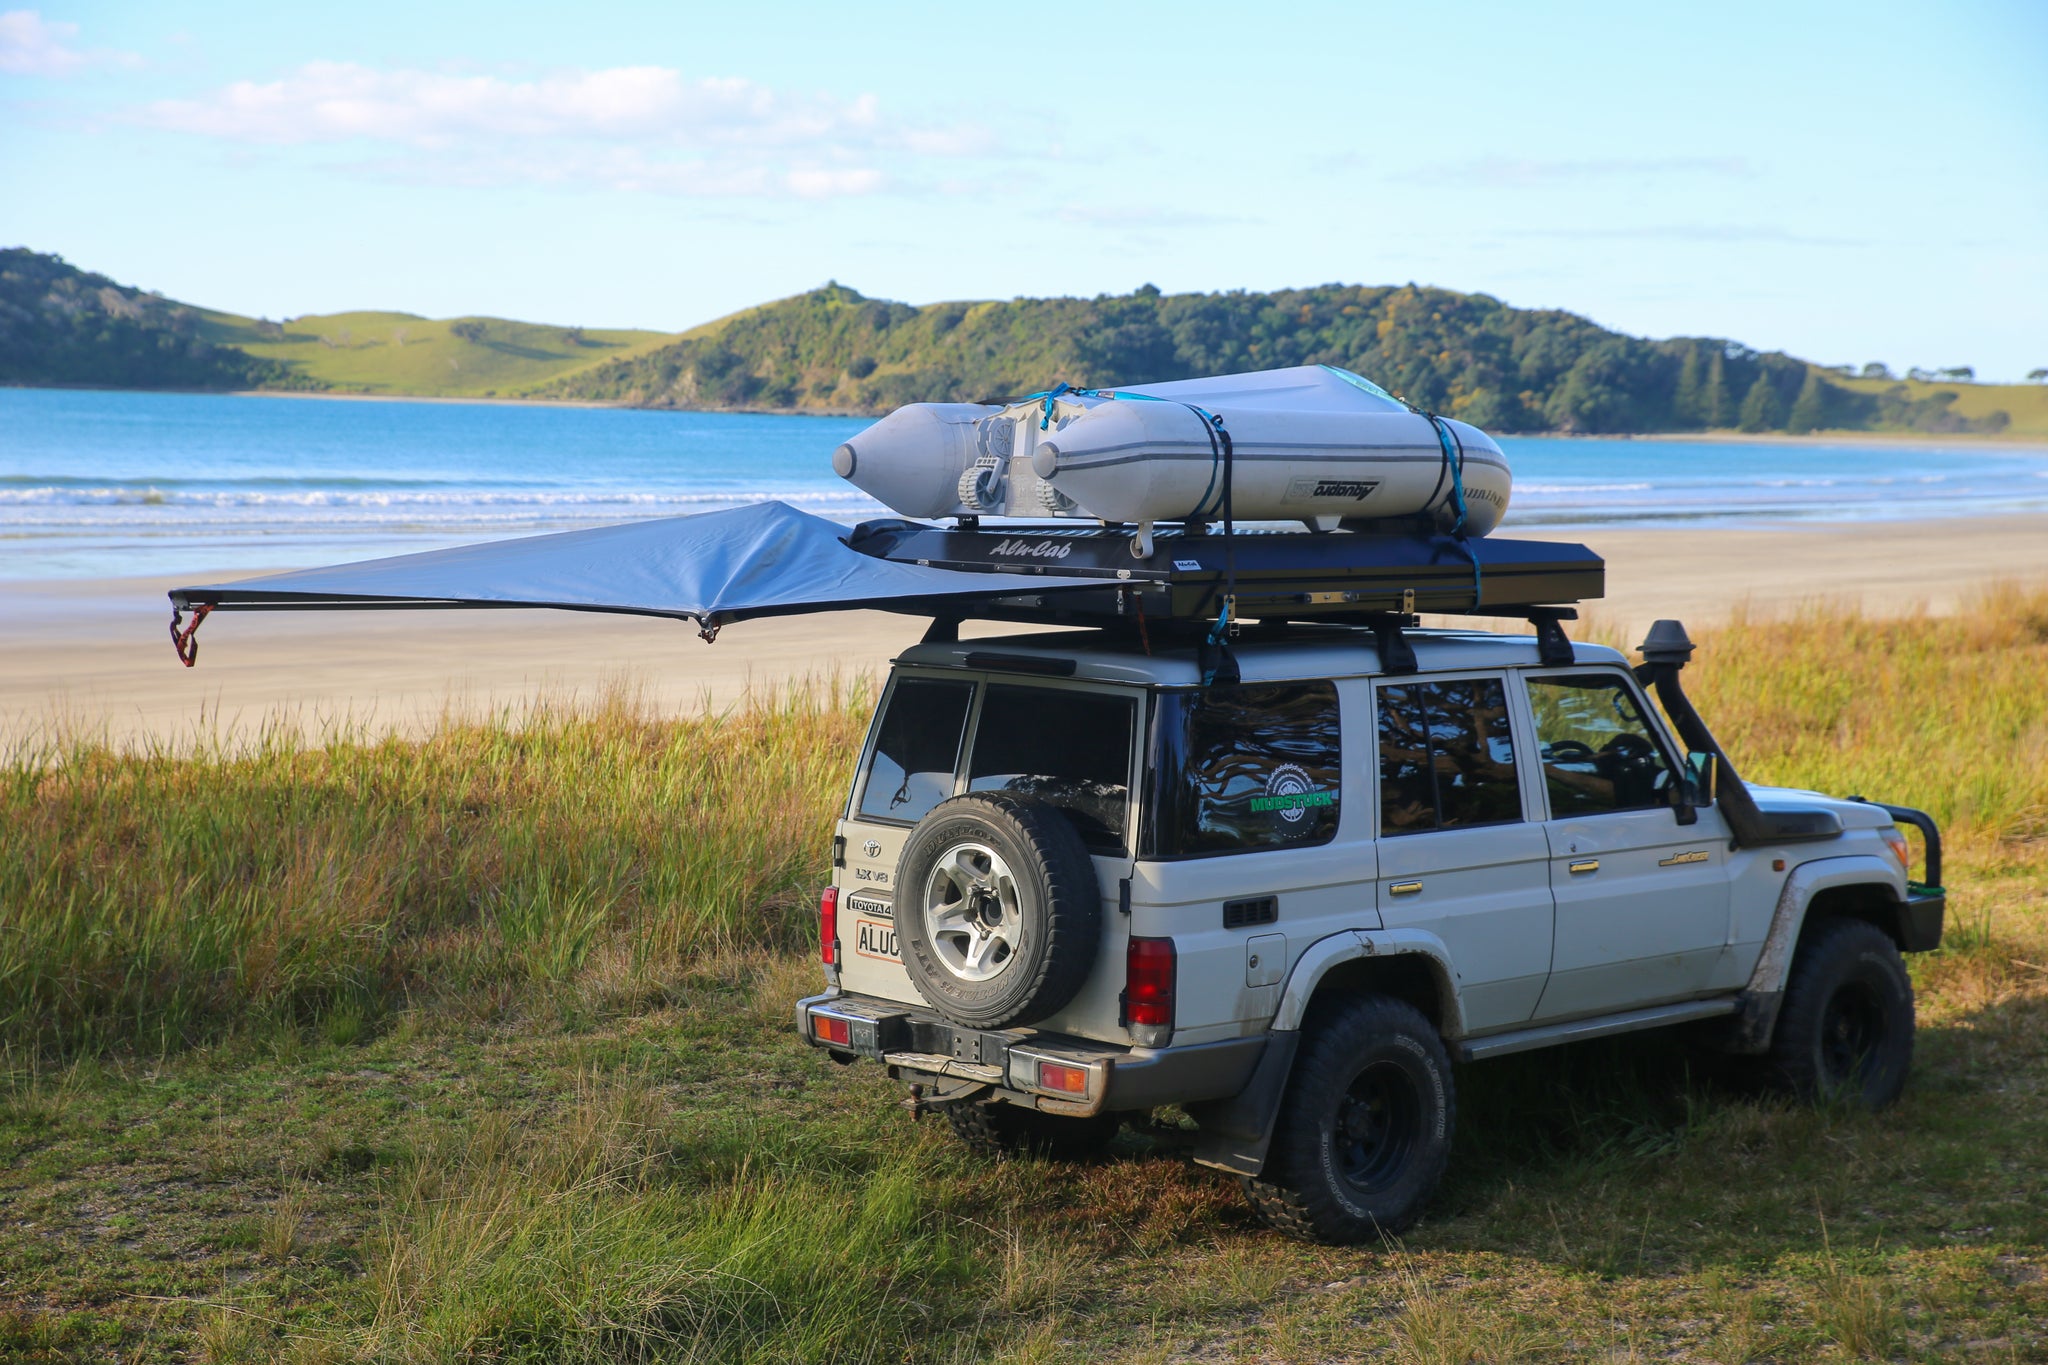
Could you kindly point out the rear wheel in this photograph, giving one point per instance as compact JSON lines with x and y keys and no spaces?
{"x":1364,"y":1131}
{"x":1845,"y":1030}
{"x":998,"y":909}
{"x":1006,"y":1130}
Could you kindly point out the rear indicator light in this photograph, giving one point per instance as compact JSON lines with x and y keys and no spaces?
{"x":1148,"y":982}
{"x":830,"y":1030}
{"x":828,"y":926}
{"x":1071,"y":1080}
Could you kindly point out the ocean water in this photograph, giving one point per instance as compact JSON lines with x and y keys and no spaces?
{"x":96,"y":484}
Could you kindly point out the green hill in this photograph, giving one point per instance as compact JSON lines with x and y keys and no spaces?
{"x":835,"y":350}
{"x":403,"y":353}
{"x":62,"y":325}
{"x":1506,"y":369}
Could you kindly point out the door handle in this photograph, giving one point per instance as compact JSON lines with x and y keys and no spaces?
{"x":1405,"y":888}
{"x":1590,"y":865}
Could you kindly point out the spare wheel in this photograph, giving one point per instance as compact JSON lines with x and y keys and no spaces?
{"x":997,"y":909}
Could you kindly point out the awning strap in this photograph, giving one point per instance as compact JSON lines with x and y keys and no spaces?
{"x":181,"y":640}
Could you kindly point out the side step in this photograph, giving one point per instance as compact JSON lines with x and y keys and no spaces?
{"x":1601,"y":1026}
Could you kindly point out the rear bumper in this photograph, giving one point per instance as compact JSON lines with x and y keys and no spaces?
{"x":920,"y":1046}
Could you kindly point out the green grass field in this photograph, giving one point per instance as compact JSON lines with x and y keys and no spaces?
{"x":402,"y":354}
{"x":2025,"y":404}
{"x":478,"y":1048}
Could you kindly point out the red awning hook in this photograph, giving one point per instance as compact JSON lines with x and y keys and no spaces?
{"x":181,"y":640}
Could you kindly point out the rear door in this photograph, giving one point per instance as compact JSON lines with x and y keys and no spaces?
{"x":1642,"y":900}
{"x":1071,"y":744}
{"x":1458,"y":856}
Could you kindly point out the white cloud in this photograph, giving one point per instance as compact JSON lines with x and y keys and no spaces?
{"x":31,"y":45}
{"x":632,"y":128}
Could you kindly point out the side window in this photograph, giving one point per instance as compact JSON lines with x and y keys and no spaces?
{"x":1066,"y":747}
{"x":1599,"y":753}
{"x":916,"y":749}
{"x":1447,"y":756}
{"x":1242,"y":768}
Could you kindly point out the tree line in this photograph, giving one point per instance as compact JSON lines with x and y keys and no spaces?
{"x":1467,"y":355}
{"x":61,"y":325}
{"x":835,"y":350}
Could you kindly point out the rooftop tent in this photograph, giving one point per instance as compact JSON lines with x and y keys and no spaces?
{"x":767,"y":559}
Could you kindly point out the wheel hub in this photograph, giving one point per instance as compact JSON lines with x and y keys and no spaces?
{"x":1377,"y":1125}
{"x":973,"y":915}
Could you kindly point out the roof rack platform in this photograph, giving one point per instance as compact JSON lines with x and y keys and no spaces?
{"x":1294,"y":575}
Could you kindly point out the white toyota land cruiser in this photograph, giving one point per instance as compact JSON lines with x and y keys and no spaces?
{"x":1072,"y":883}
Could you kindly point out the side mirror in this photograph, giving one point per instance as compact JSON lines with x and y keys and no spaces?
{"x":1705,"y":771}
{"x":1692,"y":788}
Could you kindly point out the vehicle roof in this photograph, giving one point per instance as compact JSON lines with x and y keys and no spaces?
{"x":1263,"y":654}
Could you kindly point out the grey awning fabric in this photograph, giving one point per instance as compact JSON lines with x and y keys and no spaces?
{"x":767,"y":559}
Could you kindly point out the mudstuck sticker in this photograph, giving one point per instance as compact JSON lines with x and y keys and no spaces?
{"x":872,"y":938}
{"x":1291,"y":795}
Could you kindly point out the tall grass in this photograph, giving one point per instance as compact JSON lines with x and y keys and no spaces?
{"x":595,"y":1243}
{"x":150,"y":901}
{"x":1946,"y":713}
{"x":154,"y":900}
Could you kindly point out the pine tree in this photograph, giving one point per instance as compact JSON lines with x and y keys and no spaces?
{"x":1686,"y":404}
{"x":1760,"y":407}
{"x":1716,"y":407}
{"x":1809,"y":410}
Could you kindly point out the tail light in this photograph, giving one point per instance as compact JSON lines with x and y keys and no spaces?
{"x":828,"y":1029}
{"x":828,"y":926}
{"x":1148,"y":982}
{"x":1072,"y":1080}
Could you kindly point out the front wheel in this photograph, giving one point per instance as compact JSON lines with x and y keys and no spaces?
{"x":1364,"y":1131}
{"x":1845,"y":1030}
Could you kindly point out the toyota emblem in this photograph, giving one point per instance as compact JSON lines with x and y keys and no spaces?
{"x":873,"y":848}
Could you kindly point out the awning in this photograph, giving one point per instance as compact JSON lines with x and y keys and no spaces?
{"x":767,"y":559}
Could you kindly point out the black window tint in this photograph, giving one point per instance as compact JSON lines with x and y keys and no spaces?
{"x":1072,"y":749}
{"x":1407,"y":783}
{"x":1241,"y":768}
{"x":916,"y":749}
{"x":1599,"y":753}
{"x":1447,"y":756}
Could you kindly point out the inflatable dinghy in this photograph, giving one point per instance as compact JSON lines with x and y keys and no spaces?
{"x":1313,"y":444}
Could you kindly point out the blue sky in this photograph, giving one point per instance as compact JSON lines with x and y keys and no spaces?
{"x":1845,"y":182}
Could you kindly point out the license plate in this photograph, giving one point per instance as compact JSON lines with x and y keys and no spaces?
{"x":876,"y":939}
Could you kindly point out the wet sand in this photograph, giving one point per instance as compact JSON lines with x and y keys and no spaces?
{"x":94,"y":655}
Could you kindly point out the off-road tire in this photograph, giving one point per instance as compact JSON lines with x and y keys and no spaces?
{"x":1366,"y":1063}
{"x":1845,"y":1029}
{"x":1010,"y":1130}
{"x":1059,"y":902}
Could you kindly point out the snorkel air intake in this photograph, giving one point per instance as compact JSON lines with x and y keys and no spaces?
{"x":1666,"y":650}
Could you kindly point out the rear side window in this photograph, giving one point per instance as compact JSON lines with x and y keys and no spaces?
{"x":1447,"y":757}
{"x":1242,"y":768}
{"x":916,"y":749}
{"x":1069,"y":748}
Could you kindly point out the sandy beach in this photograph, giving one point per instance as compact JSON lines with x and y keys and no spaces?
{"x":93,"y":655}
